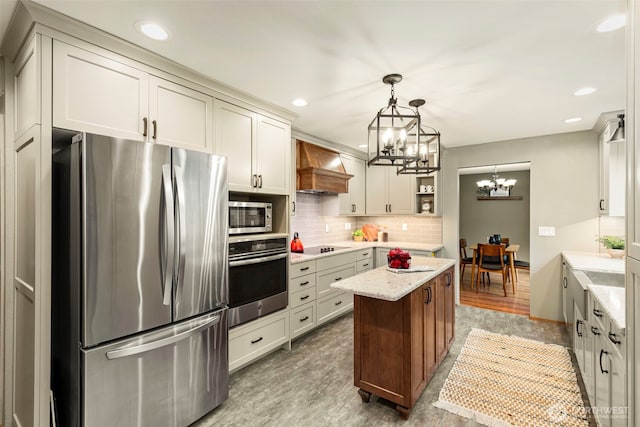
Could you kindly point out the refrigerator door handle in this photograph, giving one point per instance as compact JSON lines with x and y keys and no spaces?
{"x":167,"y":236}
{"x":182,"y":231}
{"x":153,"y":345}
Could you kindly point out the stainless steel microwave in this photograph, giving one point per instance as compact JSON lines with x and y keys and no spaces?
{"x":250,"y":217}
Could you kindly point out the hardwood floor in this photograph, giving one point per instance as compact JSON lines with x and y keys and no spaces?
{"x":492,"y":297}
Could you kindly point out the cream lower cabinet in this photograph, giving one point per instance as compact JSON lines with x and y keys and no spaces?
{"x":258,"y":149}
{"x":389,"y":193}
{"x":249,"y":341}
{"x":93,"y":92}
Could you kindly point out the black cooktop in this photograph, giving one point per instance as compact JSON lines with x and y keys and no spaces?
{"x":316,"y":250}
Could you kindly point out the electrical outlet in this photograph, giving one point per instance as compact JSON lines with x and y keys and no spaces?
{"x":326,"y":228}
{"x":347,"y":226}
{"x":546,"y":231}
{"x":404,"y":227}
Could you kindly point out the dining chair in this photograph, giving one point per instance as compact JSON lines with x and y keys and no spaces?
{"x":491,"y":260}
{"x":464,"y":259}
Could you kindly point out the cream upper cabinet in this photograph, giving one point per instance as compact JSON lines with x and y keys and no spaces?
{"x":94,"y":93}
{"x":612,"y":169}
{"x":27,"y":87}
{"x":388,"y":192}
{"x":352,"y":203}
{"x":258,"y":149}
{"x":180,"y":117}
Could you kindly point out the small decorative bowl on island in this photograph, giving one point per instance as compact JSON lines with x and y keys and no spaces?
{"x":397,"y":258}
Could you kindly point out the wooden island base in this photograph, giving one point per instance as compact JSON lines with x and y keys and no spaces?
{"x":398,"y":345}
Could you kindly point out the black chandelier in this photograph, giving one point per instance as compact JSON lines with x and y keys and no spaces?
{"x":398,"y":138}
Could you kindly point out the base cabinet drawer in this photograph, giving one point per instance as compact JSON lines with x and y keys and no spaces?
{"x":302,"y":268}
{"x":326,"y":278}
{"x":250,"y":341}
{"x":334,"y":306}
{"x":364,"y":265}
{"x":303,"y":319}
{"x":304,"y":296}
{"x":301,"y":283}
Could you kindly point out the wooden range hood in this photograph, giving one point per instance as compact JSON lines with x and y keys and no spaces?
{"x":319,"y":170}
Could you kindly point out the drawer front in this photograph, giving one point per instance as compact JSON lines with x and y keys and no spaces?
{"x":618,"y":340}
{"x":325,"y":279}
{"x":335,"y":261}
{"x":303,"y":319}
{"x":304,"y":296}
{"x":256,"y":338}
{"x":364,"y":254}
{"x":302,"y":268}
{"x":334,"y":306}
{"x":364,"y":265}
{"x":598,"y":316}
{"x":301,"y":283}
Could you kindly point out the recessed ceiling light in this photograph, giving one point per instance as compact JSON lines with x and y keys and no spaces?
{"x":362,"y":146}
{"x":152,"y":30}
{"x":573,"y":120}
{"x":612,"y":23}
{"x":585,"y":91}
{"x":299,"y":102}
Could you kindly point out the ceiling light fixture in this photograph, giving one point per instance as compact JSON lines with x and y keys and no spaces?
{"x":397,"y":137}
{"x":612,"y":23}
{"x":362,"y":146}
{"x":585,"y":91}
{"x":152,"y":30}
{"x":618,"y":134}
{"x":496,"y":186}
{"x":573,"y":120}
{"x":299,"y":102}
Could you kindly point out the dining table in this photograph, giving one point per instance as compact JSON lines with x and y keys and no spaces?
{"x":510,"y":251}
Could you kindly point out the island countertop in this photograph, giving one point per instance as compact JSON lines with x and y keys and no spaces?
{"x":391,"y":286}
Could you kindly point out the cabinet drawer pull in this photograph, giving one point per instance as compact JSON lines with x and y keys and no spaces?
{"x":144,"y":126}
{"x":305,"y":318}
{"x":365,"y":254}
{"x":294,"y":206}
{"x":602,"y":352}
{"x":155,"y":129}
{"x":304,"y":297}
{"x":337,"y":278}
{"x":304,"y":268}
{"x":365,"y":265}
{"x":613,"y":338}
{"x":304,"y":283}
{"x":594,"y":330}
{"x":578,"y":323}
{"x":338,"y":303}
{"x":597,"y":313}
{"x":257,"y":340}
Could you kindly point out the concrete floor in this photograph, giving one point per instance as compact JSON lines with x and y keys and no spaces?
{"x":312,"y":385}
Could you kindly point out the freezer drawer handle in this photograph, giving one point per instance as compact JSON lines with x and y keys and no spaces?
{"x":182,"y":231}
{"x":132,"y":351}
{"x":167,"y":236}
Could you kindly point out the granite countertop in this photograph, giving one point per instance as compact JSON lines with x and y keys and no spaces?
{"x":593,"y":261}
{"x":386,"y":285}
{"x":352,"y":245}
{"x":612,"y":300}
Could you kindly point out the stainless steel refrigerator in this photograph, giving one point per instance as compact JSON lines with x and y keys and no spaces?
{"x":139,"y":282}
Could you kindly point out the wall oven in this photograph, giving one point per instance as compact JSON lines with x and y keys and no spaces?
{"x":250,"y":217}
{"x":257,"y":276}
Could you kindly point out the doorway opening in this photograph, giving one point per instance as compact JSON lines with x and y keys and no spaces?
{"x":485,"y":214}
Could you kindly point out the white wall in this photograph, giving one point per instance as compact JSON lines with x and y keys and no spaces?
{"x":564,"y":194}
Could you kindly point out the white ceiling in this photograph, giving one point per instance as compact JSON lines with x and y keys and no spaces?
{"x":489,"y":70}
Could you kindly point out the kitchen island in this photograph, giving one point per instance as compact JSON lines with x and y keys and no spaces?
{"x":404,"y":325}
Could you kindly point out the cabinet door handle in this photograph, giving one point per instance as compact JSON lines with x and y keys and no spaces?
{"x":389,"y":207}
{"x":597,"y":312}
{"x":449,"y":281}
{"x":602,"y":352}
{"x":304,"y":297}
{"x":595,"y":331}
{"x":259,"y":181}
{"x":353,"y":207}
{"x":304,"y":268}
{"x":155,"y":129}
{"x":578,"y":323}
{"x":254,"y":180}
{"x":428,"y":290}
{"x":294,"y":206}
{"x":338,"y":303}
{"x":613,"y":339}
{"x":144,"y":126}
{"x":305,"y":318}
{"x":255,"y":341}
{"x":601,"y":204}
{"x":337,"y":278}
{"x":304,"y":283}
{"x":564,"y":284}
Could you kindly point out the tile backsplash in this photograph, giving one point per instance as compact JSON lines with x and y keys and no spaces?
{"x":315,"y":229}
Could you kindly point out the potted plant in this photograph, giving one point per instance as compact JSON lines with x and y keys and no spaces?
{"x":358,"y":235}
{"x":614,"y":245}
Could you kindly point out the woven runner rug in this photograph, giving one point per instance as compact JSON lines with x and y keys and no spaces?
{"x":500,"y":380}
